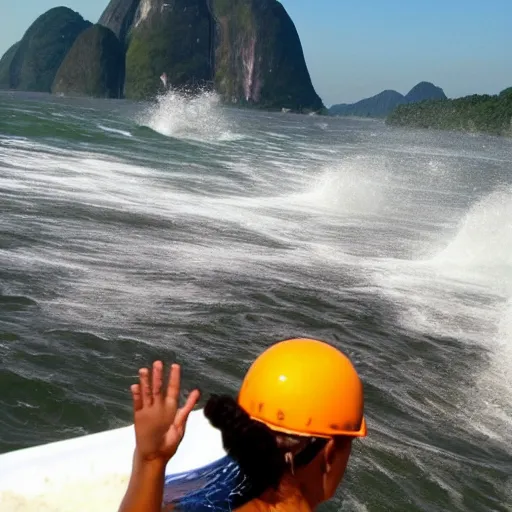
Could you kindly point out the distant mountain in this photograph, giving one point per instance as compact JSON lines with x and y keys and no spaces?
{"x":382,"y":104}
{"x":425,"y":91}
{"x":377,"y":106}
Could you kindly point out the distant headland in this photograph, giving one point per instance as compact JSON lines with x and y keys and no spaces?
{"x":426,"y":106}
{"x":475,"y":113}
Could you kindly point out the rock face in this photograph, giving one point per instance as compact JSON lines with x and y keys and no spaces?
{"x":425,"y":91}
{"x":118,"y":17}
{"x":94,"y":66}
{"x":249,"y":50}
{"x":382,"y":104}
{"x":172,"y":37}
{"x":5,"y":64}
{"x":259,"y":57}
{"x":42,"y":49}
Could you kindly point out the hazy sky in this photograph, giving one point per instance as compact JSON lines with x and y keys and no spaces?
{"x":357,"y":48}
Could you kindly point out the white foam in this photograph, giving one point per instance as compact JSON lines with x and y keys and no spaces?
{"x":197,"y":117}
{"x":352,"y":186}
{"x":484,"y":238}
{"x":114,"y":130}
{"x":493,"y":413}
{"x":465,"y":292}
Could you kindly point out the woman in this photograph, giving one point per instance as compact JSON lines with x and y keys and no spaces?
{"x":290,"y":430}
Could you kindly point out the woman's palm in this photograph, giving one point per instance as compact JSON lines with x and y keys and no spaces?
{"x":159,"y":422}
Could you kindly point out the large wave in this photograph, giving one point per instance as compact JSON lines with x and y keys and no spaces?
{"x":464,"y":292}
{"x":482,"y":250}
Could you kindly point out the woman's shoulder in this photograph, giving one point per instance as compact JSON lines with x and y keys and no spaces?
{"x":280,"y":506}
{"x":287,"y":499}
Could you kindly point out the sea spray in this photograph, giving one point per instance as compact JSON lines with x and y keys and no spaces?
{"x":183,"y":115}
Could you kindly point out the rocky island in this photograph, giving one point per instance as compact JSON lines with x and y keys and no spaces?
{"x":248,"y":51}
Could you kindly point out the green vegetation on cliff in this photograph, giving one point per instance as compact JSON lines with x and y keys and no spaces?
{"x":259,"y":58}
{"x":94,"y":66}
{"x":235,"y":33}
{"x":171,"y":37}
{"x":43,"y":48}
{"x":249,"y":50}
{"x":476,"y":113}
{"x":5,"y":65}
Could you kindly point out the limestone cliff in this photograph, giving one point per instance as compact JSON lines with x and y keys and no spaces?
{"x":259,"y":58}
{"x":94,"y":66}
{"x":249,"y":50}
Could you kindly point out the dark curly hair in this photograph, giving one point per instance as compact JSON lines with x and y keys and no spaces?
{"x":259,"y":451}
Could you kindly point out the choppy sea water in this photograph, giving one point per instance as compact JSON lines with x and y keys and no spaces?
{"x":194,"y":233}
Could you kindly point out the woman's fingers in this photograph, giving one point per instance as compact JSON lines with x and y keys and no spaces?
{"x":157,"y":378}
{"x":182,"y":415}
{"x":147,"y":398}
{"x":136,"y":397}
{"x":149,"y":389}
{"x":173,"y":388}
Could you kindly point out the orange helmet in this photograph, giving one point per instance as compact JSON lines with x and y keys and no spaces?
{"x":305,"y":387}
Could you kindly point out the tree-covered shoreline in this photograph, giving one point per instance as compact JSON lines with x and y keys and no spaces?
{"x":475,"y":113}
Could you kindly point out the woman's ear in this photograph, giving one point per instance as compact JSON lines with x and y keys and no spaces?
{"x":329,"y":454}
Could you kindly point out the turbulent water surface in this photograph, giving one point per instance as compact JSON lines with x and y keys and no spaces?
{"x":200,"y":234}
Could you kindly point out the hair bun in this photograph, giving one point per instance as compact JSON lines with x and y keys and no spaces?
{"x":251,"y":443}
{"x":223,"y":412}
